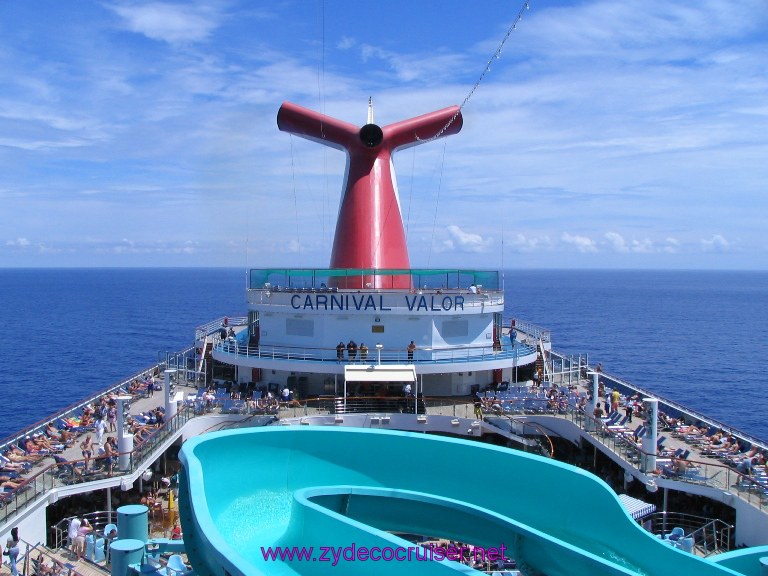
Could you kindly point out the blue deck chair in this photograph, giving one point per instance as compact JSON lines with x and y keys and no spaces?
{"x":176,"y":566}
{"x":675,"y":535}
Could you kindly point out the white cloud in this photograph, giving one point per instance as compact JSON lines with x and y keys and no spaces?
{"x":523,"y":244}
{"x":465,"y":241}
{"x":346,"y":43}
{"x":581,"y":243}
{"x":629,"y":141}
{"x":171,"y":23}
{"x":672,"y":246}
{"x":19,"y":243}
{"x":715,"y":244}
{"x":617,"y":242}
{"x":412,"y":67}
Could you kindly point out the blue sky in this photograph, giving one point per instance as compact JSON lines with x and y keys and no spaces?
{"x":608,"y":134}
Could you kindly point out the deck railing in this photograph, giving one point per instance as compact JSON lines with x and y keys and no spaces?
{"x":709,"y":536}
{"x":449,"y":355}
{"x":718,"y":476}
{"x":43,"y":481}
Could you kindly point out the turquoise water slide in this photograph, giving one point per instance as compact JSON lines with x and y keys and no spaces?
{"x":343,"y":491}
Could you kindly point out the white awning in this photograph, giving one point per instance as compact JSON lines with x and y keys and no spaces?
{"x":636,"y":508}
{"x":380,"y":373}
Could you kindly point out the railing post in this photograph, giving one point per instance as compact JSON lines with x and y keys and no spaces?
{"x":124,"y":441}
{"x":170,"y":406}
{"x":649,"y":440}
{"x":590,"y":424}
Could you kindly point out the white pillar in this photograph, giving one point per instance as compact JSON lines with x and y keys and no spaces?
{"x":124,"y":440}
{"x":651,"y":406}
{"x":592,"y":404}
{"x":170,"y":406}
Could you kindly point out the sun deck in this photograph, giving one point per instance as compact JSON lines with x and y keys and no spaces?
{"x":712,"y":478}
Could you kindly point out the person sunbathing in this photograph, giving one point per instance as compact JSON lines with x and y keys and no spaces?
{"x":140,"y":431}
{"x":31,"y":448}
{"x":9,"y":466}
{"x":43,"y":443}
{"x":63,"y":436}
{"x":11,"y":484}
{"x":17,"y":455}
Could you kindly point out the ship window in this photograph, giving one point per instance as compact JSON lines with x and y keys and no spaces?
{"x":377,"y":329}
{"x":455,"y":328}
{"x":296,"y":327}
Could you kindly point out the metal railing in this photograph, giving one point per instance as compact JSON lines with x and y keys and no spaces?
{"x":64,"y":474}
{"x":98,"y":519}
{"x":450,"y":355}
{"x":709,"y":536}
{"x":714,"y":475}
{"x":40,"y":483}
{"x":673,"y":408}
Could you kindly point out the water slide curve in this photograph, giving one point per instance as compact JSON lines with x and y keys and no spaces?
{"x":332,"y":488}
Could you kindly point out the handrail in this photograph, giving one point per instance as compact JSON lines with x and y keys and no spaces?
{"x":706,"y":473}
{"x":214,"y":325}
{"x":691,"y":416}
{"x":709,"y":536}
{"x":38,"y":485}
{"x":72,"y":408}
{"x":449,"y":354}
{"x":43,"y":481}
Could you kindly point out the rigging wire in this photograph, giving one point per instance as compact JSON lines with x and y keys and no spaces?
{"x":295,"y":200}
{"x":437,"y":204}
{"x":496,"y":55}
{"x":410,"y":193}
{"x":324,"y":200}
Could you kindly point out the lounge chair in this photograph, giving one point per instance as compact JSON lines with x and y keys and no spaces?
{"x":176,"y":566}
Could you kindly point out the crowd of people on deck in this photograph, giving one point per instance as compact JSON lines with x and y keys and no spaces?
{"x":93,"y":427}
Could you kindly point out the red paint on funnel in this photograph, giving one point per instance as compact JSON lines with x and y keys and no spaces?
{"x":369,"y":229}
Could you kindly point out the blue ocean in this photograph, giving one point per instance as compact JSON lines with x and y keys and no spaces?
{"x":700,"y":338}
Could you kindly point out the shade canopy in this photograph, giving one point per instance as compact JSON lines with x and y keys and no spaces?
{"x":636,"y":508}
{"x":380,"y":373}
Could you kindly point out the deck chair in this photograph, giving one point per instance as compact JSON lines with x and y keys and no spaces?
{"x":90,"y":545}
{"x":675,"y":535}
{"x":106,"y":541}
{"x":612,"y":418}
{"x":65,"y":470}
{"x":99,"y":554}
{"x":176,"y":566}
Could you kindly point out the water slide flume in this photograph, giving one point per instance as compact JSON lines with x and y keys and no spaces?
{"x":330,"y":488}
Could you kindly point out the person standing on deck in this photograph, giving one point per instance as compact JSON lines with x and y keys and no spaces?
{"x":74,"y":526}
{"x":629,"y":408}
{"x":411,"y":348}
{"x":12,"y":550}
{"x":99,"y":429}
{"x":615,"y":399}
